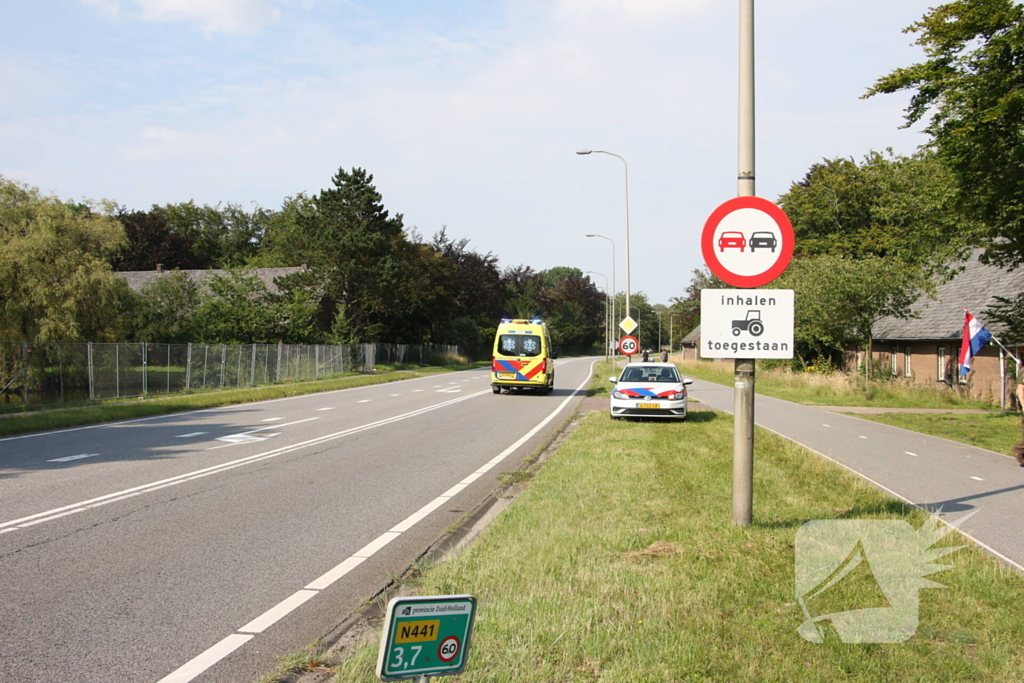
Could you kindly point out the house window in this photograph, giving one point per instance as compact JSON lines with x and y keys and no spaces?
{"x":940,"y":364}
{"x":906,"y":361}
{"x":893,"y":353}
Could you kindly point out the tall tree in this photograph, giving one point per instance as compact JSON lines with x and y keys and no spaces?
{"x":151,"y":240}
{"x":56,"y":284}
{"x":972,"y":85}
{"x":685,"y":310}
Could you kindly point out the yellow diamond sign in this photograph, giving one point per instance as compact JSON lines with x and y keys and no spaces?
{"x":628,"y":325}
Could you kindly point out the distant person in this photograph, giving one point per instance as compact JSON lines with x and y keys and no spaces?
{"x":664,"y":356}
{"x":1018,"y":450}
{"x":647,"y":355}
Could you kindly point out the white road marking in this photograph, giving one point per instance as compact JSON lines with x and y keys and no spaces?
{"x":863,"y":437}
{"x":365,"y":400}
{"x":272,"y":419}
{"x":74,"y":457}
{"x":909,"y":453}
{"x":244,"y":438}
{"x":190,"y":435}
{"x":100,"y":501}
{"x":320,"y":410}
{"x":393,"y":395}
{"x":825,"y":425}
{"x":204,"y":661}
{"x":198,"y":665}
{"x":977,"y":479}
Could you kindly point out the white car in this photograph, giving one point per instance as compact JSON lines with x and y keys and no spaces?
{"x":649,"y":390}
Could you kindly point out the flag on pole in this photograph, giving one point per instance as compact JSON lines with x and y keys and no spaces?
{"x":975,"y":337}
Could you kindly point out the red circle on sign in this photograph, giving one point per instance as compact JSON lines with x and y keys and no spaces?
{"x":449,"y":648}
{"x":707,"y":241}
{"x":628,"y":346}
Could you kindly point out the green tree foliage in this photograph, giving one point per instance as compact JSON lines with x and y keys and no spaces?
{"x":839,"y":299}
{"x":972,"y":85}
{"x":888,"y":206}
{"x":239,"y":310}
{"x":576,"y":309}
{"x":685,"y":310}
{"x":56,"y":284}
{"x":165,"y":310}
{"x":150,"y":240}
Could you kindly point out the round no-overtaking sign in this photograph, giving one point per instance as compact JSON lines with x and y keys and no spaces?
{"x":747,"y":242}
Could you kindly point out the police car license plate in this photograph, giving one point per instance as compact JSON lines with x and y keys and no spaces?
{"x":506,"y":375}
{"x":649,"y":406}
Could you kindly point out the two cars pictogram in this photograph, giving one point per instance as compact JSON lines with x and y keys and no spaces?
{"x":758,"y":240}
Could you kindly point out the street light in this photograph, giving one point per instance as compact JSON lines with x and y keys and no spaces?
{"x":615,"y":292}
{"x":607,"y":318}
{"x":625,"y":167}
{"x":671,"y":316}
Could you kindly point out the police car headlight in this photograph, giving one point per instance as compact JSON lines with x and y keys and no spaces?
{"x":619,"y":395}
{"x":678,"y":396}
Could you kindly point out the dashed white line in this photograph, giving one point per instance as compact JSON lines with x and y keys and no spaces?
{"x":190,"y":435}
{"x":863,"y":437}
{"x":320,"y":410}
{"x":225,"y":647}
{"x":825,"y":425}
{"x":977,"y":479}
{"x":272,"y":419}
{"x":365,"y":400}
{"x":393,"y":395}
{"x":69,"y":458}
{"x":909,"y":453}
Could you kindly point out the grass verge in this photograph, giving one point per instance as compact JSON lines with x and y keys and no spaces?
{"x":620,"y":563}
{"x":836,"y":389}
{"x":997,"y":432}
{"x":111,"y":411}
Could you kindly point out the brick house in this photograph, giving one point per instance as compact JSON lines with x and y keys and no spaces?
{"x":926,"y":348}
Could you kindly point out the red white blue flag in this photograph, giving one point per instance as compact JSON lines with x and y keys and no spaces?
{"x":975,"y":338}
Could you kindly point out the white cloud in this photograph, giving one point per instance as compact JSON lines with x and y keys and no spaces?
{"x":213,"y":16}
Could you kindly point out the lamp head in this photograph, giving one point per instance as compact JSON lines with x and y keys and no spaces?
{"x":590,"y":234}
{"x":585,"y":151}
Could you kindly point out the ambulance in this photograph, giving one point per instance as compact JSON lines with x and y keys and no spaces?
{"x":523,"y":357}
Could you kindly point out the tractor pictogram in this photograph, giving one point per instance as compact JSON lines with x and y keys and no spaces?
{"x":751,"y":324}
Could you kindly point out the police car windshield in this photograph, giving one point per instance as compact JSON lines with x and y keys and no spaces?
{"x":519,"y":345}
{"x":648,"y":374}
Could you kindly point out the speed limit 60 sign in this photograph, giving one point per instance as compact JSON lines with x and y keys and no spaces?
{"x":628,"y":346}
{"x":425,"y":635}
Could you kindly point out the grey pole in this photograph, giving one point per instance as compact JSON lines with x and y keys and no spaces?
{"x":743,"y":406}
{"x":625,"y":168}
{"x":615,"y":292}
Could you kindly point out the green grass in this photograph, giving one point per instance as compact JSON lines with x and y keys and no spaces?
{"x":997,"y":432}
{"x":620,"y":563}
{"x":836,"y":389}
{"x":110,"y":411}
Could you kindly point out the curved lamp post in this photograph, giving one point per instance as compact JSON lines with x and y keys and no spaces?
{"x":607,"y":313}
{"x":625,"y":167}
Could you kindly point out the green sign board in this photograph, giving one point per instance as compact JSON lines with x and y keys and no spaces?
{"x":425,"y":636}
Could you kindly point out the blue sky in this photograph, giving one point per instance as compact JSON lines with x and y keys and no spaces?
{"x":468,"y":113}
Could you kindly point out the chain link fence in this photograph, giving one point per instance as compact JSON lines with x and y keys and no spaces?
{"x":54,"y":374}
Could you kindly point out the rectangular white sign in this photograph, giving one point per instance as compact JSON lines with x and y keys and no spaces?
{"x":746,"y":323}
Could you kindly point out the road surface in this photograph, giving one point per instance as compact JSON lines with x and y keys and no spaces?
{"x":201,"y":546}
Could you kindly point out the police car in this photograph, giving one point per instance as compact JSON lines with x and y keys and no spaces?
{"x":649,"y":390}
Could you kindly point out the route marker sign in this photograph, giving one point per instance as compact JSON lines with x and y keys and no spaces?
{"x":747,"y":242}
{"x":628,"y":346}
{"x":628,"y":325}
{"x":425,"y":636}
{"x":746,"y":323}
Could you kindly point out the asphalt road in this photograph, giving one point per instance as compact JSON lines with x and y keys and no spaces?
{"x":201,"y":546}
{"x":927,"y":471}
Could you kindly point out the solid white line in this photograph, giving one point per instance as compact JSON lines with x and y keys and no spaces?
{"x":199,"y":664}
{"x":189,"y":476}
{"x":333,"y":575}
{"x":74,"y":457}
{"x":373,"y":546}
{"x":277,"y":612}
{"x":454,"y":490}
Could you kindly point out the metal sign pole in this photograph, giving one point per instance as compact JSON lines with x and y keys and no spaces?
{"x":743,"y":415}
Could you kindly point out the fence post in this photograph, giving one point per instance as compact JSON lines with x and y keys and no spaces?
{"x":316,"y":361}
{"x":24,"y":365}
{"x":92,"y":384}
{"x":117,"y":370}
{"x":277,"y":373}
{"x":252,"y":368}
{"x":145,"y":371}
{"x":188,"y":368}
{"x":223,"y":360}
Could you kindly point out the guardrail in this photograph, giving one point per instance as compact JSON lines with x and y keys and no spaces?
{"x":40,"y":374}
